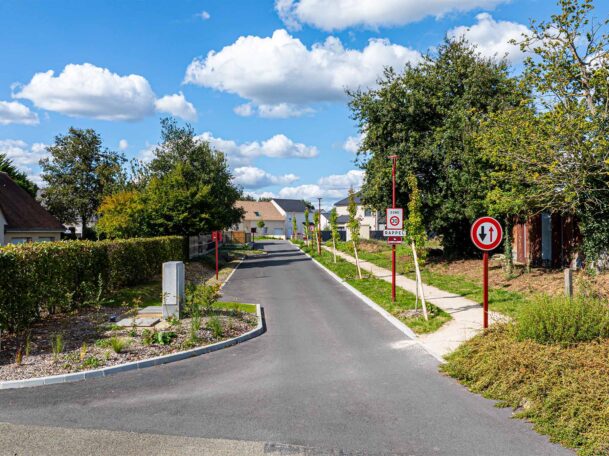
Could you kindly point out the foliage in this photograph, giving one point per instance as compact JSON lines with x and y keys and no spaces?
{"x":334,"y":225}
{"x":56,"y":345}
{"x":294,"y":225}
{"x":260,"y":224}
{"x":201,"y":297}
{"x":122,"y":215}
{"x":354,"y":222}
{"x":56,"y":276}
{"x":563,"y":391}
{"x":427,"y":116}
{"x":415,"y":229}
{"x":306,"y":223}
{"x":215,"y":326}
{"x":559,"y":320}
{"x":20,"y":178}
{"x":163,"y":337}
{"x":118,"y":344}
{"x":78,"y":173}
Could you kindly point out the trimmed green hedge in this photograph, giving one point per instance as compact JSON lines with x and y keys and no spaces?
{"x":56,"y":276}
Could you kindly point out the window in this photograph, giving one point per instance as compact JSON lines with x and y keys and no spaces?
{"x":46,"y":239}
{"x":20,"y":240}
{"x":367,"y":212}
{"x":257,"y":214}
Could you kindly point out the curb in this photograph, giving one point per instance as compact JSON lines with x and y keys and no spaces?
{"x":231,"y":273}
{"x":370,"y":303}
{"x":135,"y":365}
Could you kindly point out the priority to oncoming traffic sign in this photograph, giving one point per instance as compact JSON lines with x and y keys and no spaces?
{"x":486,"y":233}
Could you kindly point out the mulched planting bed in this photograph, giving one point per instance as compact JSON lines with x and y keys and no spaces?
{"x":106,"y":344}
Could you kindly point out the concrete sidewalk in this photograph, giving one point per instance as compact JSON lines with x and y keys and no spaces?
{"x":466,"y":314}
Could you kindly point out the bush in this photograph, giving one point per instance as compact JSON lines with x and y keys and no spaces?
{"x":558,"y":320}
{"x":58,"y":276}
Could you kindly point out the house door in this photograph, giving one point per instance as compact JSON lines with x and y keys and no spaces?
{"x":546,"y":239}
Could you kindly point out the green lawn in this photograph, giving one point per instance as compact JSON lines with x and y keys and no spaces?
{"x":380,"y":292}
{"x":222,"y":305}
{"x":149,"y":294}
{"x":506,"y":302}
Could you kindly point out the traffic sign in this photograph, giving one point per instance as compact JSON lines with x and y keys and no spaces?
{"x":486,"y":233}
{"x":391,"y":240}
{"x":395,"y":218}
{"x":388,"y":233}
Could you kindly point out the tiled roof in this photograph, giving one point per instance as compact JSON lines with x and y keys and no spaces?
{"x":260,"y":210}
{"x":21,"y":211}
{"x":291,"y":205}
{"x":345,"y":201}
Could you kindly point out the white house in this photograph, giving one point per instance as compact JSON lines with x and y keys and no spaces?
{"x":22,"y":218}
{"x":290,"y":209}
{"x":256,"y":211}
{"x":369,"y":219}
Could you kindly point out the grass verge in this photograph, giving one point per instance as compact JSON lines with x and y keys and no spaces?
{"x":562,"y":390}
{"x":503,"y":301}
{"x":249,"y":308}
{"x":380,"y":292}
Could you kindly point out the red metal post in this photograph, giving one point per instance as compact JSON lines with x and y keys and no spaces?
{"x":485,"y":290}
{"x":217,"y":242}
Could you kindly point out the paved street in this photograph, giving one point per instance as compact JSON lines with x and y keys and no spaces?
{"x":329,"y":374}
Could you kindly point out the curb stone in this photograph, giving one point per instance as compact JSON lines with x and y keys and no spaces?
{"x":135,"y":365}
{"x":408,"y":332}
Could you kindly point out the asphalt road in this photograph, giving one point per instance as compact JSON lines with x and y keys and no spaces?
{"x":330,"y":375}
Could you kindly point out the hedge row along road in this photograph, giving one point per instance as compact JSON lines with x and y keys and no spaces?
{"x":329,"y":374}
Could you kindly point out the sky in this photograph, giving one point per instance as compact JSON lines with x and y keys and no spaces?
{"x":262,"y":80}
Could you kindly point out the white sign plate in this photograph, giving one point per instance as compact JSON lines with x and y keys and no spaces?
{"x":388,"y":233}
{"x":395,"y":218}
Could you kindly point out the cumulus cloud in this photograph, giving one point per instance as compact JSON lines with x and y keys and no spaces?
{"x":493,"y":37}
{"x":24,"y":156}
{"x":123,"y":144}
{"x":352,"y":144}
{"x":176,"y":105}
{"x":13,"y":112}
{"x":85,"y":90}
{"x":278,"y":111}
{"x":332,"y":187}
{"x":204,"y":15}
{"x":340,"y":14}
{"x":253,"y":178}
{"x":278,"y":146}
{"x":279,"y":75}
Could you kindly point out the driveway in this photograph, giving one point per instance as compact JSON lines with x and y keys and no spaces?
{"x":330,"y":375}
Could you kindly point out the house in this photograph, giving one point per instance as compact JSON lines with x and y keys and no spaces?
{"x":22,"y":218}
{"x":291,"y":208}
{"x":255,"y":211}
{"x":370,"y":220}
{"x":548,"y":240}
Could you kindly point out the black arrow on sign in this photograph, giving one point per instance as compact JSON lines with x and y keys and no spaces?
{"x":482,"y":234}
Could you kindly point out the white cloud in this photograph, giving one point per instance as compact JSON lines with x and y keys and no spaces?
{"x":278,"y":111}
{"x":257,"y":195}
{"x":13,"y":112}
{"x":493,"y":37}
{"x":176,"y":105}
{"x":278,"y":146}
{"x":24,"y":156}
{"x":204,"y":15}
{"x":352,"y":144}
{"x":252,"y":178}
{"x":340,"y":14}
{"x":147,"y":153}
{"x":123,"y":144}
{"x":85,"y":90}
{"x":331,"y":188}
{"x":279,"y":74}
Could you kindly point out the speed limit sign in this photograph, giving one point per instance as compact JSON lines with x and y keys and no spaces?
{"x":395,"y":218}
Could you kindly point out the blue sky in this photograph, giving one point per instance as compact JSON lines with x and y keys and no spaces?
{"x":270,"y":94}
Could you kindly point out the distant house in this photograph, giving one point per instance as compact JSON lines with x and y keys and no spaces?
{"x":274,"y":221}
{"x":291,"y":208}
{"x":370,"y":220}
{"x":22,"y":218}
{"x":548,"y":240}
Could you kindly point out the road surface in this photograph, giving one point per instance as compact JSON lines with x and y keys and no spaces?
{"x":330,"y":376}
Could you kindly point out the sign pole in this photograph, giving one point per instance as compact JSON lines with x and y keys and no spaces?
{"x":394,"y":159}
{"x":485,"y":290}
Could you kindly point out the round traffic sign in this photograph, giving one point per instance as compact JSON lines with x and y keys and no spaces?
{"x":395,"y":221}
{"x":486,"y":233}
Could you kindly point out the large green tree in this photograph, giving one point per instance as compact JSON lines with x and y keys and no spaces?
{"x":78,"y":173}
{"x":427,"y":116}
{"x":20,"y":178}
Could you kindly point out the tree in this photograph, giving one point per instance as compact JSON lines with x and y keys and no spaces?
{"x":417,"y":236}
{"x":552,"y":150}
{"x":294,"y":226}
{"x":427,"y":115}
{"x":261,"y":225}
{"x":123,"y":215}
{"x":306,"y":224}
{"x":354,"y":227}
{"x":317,"y":232}
{"x":334,"y":230}
{"x":78,"y":174}
{"x":20,"y":178}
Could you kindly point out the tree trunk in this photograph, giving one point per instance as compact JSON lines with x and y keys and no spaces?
{"x":359,"y":271}
{"x":419,"y":281}
{"x":507,"y":246}
{"x":334,"y":245}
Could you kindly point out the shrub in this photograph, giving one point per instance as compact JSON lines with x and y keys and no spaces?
{"x":558,"y":320}
{"x":118,"y":344}
{"x":215,"y":326}
{"x":57,"y":276}
{"x":163,"y":338}
{"x":56,"y":346}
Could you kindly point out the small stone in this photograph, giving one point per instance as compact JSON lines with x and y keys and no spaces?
{"x":139,"y":322}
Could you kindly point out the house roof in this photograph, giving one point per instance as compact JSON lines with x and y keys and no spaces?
{"x":345,"y":201}
{"x":260,"y":210}
{"x":21,"y":211}
{"x":290,"y":205}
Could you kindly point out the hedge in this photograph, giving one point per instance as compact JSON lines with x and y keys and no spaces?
{"x":57,"y":276}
